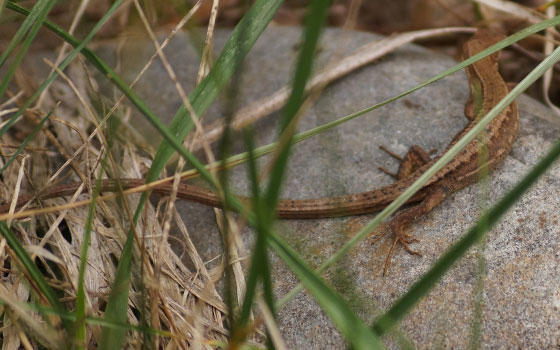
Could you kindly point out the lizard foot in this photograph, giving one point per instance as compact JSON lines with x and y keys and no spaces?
{"x":400,"y":237}
{"x":405,"y":240}
{"x":406,"y":217}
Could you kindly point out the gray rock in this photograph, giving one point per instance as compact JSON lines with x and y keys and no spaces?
{"x":521,"y":289}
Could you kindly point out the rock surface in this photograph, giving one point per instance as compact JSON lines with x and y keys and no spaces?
{"x":521,"y":290}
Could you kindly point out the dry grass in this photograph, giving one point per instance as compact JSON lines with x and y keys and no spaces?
{"x":182,"y":301}
{"x":172,"y":288}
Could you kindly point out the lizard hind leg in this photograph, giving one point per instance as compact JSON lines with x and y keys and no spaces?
{"x":403,"y":219}
{"x":415,"y":158}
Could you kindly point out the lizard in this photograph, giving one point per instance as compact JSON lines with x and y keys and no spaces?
{"x":487,"y":88}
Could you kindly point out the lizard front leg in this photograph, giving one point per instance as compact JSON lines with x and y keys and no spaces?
{"x":415,"y":158}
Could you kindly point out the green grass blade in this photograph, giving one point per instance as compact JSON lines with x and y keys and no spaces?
{"x":349,"y":324}
{"x":264,"y":210}
{"x":315,"y":21}
{"x":90,"y":55}
{"x":61,"y":67}
{"x":80,"y":313}
{"x":117,"y":304}
{"x":258,"y":259}
{"x":46,"y":7}
{"x":34,"y":273}
{"x":35,"y":130}
{"x":23,"y":28}
{"x":238,"y":45}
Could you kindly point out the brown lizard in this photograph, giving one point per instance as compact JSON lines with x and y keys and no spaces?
{"x":487,"y":89}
